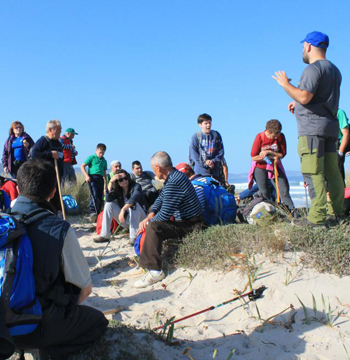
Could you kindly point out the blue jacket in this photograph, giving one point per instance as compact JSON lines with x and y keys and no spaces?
{"x":206,"y":147}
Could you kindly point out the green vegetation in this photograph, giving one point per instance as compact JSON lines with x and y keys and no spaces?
{"x":80,"y":192}
{"x":326,"y":250}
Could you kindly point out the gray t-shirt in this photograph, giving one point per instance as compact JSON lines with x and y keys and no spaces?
{"x":75,"y":267}
{"x":319,"y":116}
{"x":145,"y":180}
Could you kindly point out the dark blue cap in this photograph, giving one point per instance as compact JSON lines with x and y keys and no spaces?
{"x":317,"y":39}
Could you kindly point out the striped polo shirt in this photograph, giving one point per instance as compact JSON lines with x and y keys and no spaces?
{"x":177,"y":198}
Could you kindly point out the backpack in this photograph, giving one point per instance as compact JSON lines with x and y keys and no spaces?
{"x":99,"y":220}
{"x":220,"y":206}
{"x":21,"y":308}
{"x":260,"y":211}
{"x":70,"y":205}
{"x":138,"y":244}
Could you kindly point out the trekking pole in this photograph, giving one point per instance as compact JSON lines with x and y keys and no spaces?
{"x":59,"y":189}
{"x":306,"y":200}
{"x":276,"y":180}
{"x":252,"y":295}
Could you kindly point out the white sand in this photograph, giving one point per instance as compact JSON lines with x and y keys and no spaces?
{"x":233,"y":326}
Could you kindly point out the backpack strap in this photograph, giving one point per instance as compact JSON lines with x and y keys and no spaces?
{"x":32,"y":216}
{"x":208,"y":182}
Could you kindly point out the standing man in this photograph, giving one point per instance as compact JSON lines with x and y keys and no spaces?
{"x":49,"y":148}
{"x":69,"y":154}
{"x":315,"y":105}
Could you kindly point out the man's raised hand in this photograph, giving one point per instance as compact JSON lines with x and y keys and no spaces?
{"x":282,"y":78}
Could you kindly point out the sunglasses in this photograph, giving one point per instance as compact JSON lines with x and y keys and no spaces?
{"x":122,"y":179}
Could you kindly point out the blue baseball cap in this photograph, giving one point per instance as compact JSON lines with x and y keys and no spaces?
{"x":318,"y":39}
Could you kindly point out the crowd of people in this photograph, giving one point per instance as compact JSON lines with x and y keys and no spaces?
{"x":167,"y":202}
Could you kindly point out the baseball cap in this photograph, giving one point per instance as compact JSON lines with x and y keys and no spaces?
{"x":318,"y":39}
{"x":72,"y":131}
{"x":183,"y":167}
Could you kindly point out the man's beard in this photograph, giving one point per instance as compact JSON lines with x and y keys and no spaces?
{"x":306,"y":57}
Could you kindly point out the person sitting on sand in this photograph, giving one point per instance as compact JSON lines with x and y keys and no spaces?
{"x":125,"y":203}
{"x":115,"y":166}
{"x":145,"y":179}
{"x":61,"y":272}
{"x":178,"y":201}
{"x":269,"y":146}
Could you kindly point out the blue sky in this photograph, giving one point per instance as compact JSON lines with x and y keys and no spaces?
{"x":136,"y":74}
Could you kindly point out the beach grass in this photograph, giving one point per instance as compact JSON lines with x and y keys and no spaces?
{"x":327,"y":250}
{"x":80,"y":192}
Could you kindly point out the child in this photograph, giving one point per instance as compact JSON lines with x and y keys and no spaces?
{"x":206,"y":149}
{"x":96,"y":177}
{"x":269,"y":146}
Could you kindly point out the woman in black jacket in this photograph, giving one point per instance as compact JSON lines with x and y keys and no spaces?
{"x":125,"y":203}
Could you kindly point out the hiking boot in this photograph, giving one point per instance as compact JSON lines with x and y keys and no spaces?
{"x":132,"y":241}
{"x":334,"y":220}
{"x":149,"y":279}
{"x":100,"y":239}
{"x":306,"y":222}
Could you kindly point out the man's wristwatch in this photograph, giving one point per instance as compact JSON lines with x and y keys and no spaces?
{"x":341,"y":154}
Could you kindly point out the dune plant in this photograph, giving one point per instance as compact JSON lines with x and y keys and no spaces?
{"x":306,"y":313}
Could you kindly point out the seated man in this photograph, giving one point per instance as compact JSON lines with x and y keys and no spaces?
{"x":144,"y":178}
{"x":177,"y":200}
{"x":62,"y":277}
{"x":115,"y":166}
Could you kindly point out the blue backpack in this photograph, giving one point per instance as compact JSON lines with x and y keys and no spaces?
{"x":70,"y":205}
{"x":19,"y":304}
{"x":220,"y":206}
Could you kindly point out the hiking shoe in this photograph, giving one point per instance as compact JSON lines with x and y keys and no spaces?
{"x":334,"y":220}
{"x":100,"y":239}
{"x":149,"y":279}
{"x":132,"y":241}
{"x":306,"y":222}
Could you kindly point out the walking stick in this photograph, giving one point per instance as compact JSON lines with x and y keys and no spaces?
{"x":276,"y":180}
{"x":307,"y":202}
{"x":253,"y":295}
{"x":59,"y":189}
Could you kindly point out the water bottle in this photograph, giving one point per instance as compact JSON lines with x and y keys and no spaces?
{"x":267,"y":160}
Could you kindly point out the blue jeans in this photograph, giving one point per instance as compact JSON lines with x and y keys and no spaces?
{"x":96,"y":188}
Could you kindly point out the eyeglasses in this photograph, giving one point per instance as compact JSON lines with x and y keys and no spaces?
{"x":122,"y":179}
{"x":18,"y":127}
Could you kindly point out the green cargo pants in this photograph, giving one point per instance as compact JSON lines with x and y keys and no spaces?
{"x":319,"y":164}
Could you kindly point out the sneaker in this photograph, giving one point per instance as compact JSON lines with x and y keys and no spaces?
{"x":149,"y":279}
{"x":306,"y":222}
{"x":100,"y":239}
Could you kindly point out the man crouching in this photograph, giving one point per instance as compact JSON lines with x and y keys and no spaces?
{"x":175,"y":213}
{"x":61,"y":273}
